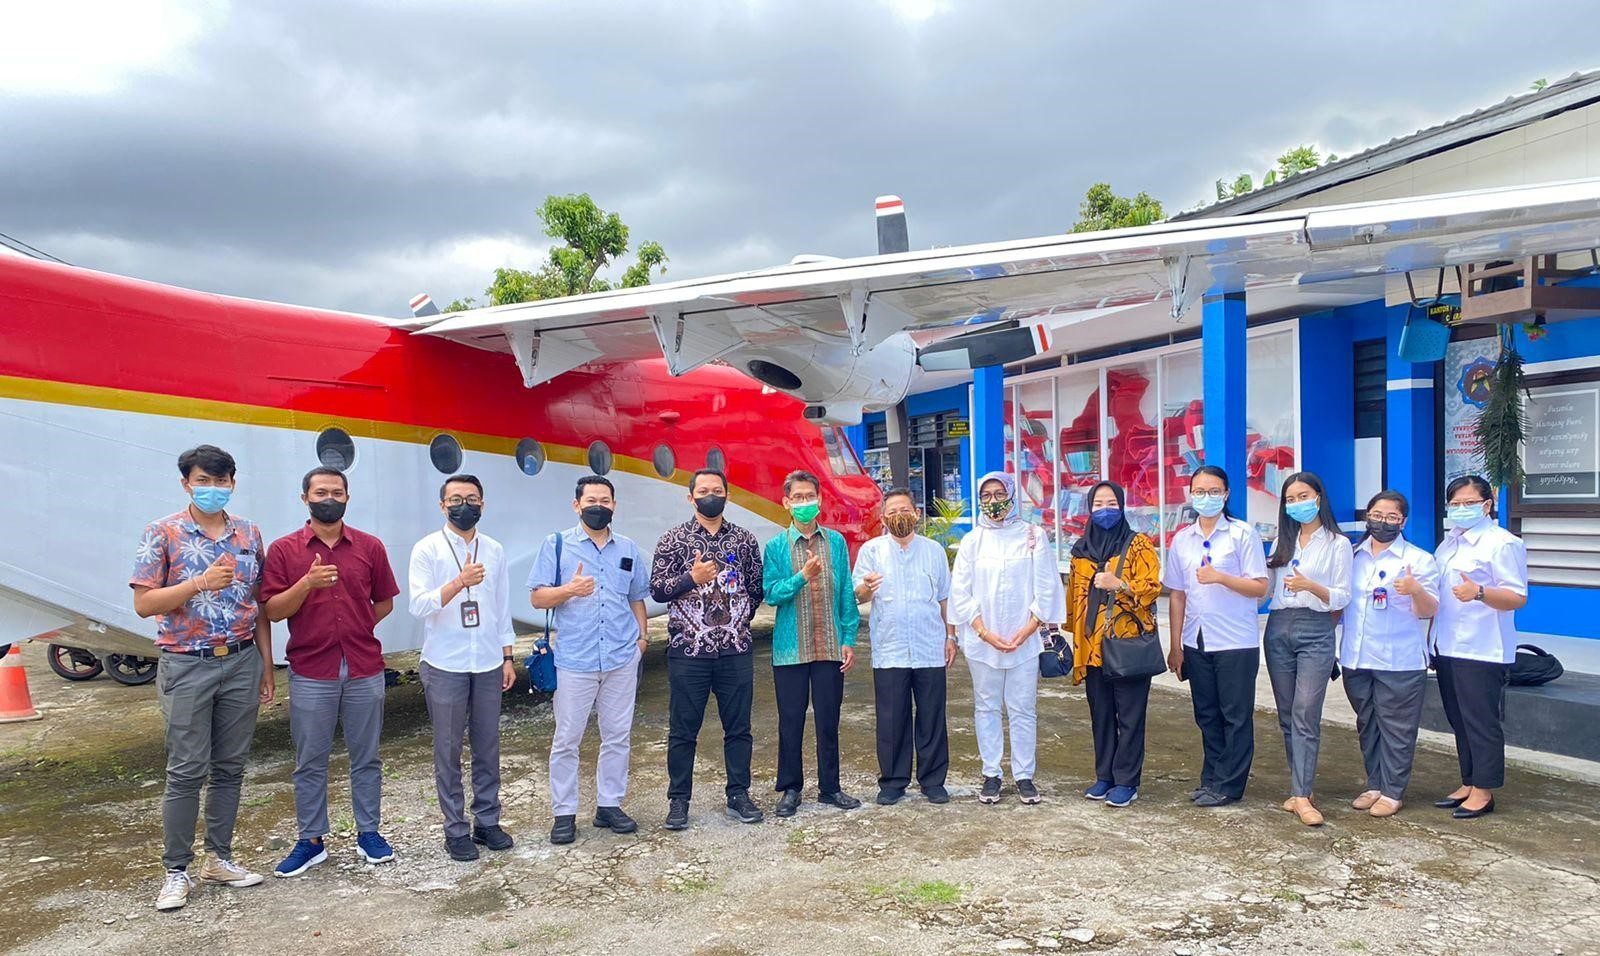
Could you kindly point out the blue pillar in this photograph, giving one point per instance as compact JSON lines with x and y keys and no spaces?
{"x":988,"y":421}
{"x":1410,"y":440}
{"x":857,"y":436}
{"x":1223,"y":361}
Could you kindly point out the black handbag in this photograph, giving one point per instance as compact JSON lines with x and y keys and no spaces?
{"x":1534,"y":666}
{"x":1055,"y":660}
{"x":1129,"y":658}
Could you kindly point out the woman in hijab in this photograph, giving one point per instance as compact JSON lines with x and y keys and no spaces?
{"x":1004,"y":587}
{"x":1112,"y":563}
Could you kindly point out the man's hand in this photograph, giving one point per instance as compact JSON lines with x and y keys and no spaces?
{"x":1175,"y":659}
{"x":871,"y":581}
{"x":812,"y":568}
{"x":1208,"y":574}
{"x":950,"y":648}
{"x":508,"y":676}
{"x":702,"y":570}
{"x":1466,"y":590}
{"x":471,"y":575}
{"x":1106,"y":581}
{"x":220,"y":575}
{"x":581,"y":585}
{"x":1407,"y":583}
{"x":849,"y":659}
{"x":269,"y":686}
{"x":644,"y":644}
{"x":322,"y":575}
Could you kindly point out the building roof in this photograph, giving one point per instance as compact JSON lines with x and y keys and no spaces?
{"x":1577,"y":90}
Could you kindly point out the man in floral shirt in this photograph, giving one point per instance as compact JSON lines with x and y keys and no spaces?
{"x":708,"y":572}
{"x":198,"y":573}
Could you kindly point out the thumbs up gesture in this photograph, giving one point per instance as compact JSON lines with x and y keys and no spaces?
{"x":322,"y":575}
{"x":1406,"y":583}
{"x":1466,"y":590}
{"x":581,"y":585}
{"x":702,"y":570}
{"x":812,"y":568}
{"x":1296,"y":582}
{"x":220,"y":574}
{"x":1207,"y":573}
{"x":872,"y":580}
{"x":472,"y":574}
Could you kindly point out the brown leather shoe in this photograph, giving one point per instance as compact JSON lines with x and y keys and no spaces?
{"x":1366,"y":800}
{"x":1385,"y":807}
{"x":1288,"y":805}
{"x":1307,"y":812}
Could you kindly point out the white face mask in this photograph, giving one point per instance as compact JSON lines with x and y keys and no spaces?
{"x":1466,"y":517}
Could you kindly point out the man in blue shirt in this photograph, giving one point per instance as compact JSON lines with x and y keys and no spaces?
{"x":593,"y":582}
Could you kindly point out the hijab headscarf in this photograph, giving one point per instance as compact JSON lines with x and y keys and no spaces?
{"x":1099,"y":544}
{"x":1011,"y":517}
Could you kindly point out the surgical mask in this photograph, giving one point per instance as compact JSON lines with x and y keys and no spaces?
{"x":210,"y":498}
{"x":1207,"y":506}
{"x":711,"y":505}
{"x":596,"y":517}
{"x":996,"y":509}
{"x":328,"y":510}
{"x":465,"y":517}
{"x":901,"y":524}
{"x":1302,"y":511}
{"x":1382,"y":530}
{"x":1466,"y":517}
{"x":806,"y":513}
{"x":1106,"y":518}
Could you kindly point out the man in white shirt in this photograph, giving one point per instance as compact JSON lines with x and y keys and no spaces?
{"x":460,"y":591}
{"x":907,"y":578}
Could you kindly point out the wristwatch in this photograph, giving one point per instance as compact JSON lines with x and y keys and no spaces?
{"x":507,"y":659}
{"x":1479,"y":595}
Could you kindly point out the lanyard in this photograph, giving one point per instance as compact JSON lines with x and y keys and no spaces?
{"x":471,"y":558}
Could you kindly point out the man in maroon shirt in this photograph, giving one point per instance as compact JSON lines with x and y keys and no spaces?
{"x":333,"y":584}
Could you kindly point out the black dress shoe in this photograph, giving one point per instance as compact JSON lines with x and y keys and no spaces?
{"x":1449,"y":803}
{"x":1197,"y":793}
{"x":841,"y":800}
{"x":565,"y":829}
{"x":1213,"y":799}
{"x":1462,"y":813}
{"x":677,"y":814}
{"x":743,"y":809}
{"x":788,"y":803}
{"x":461,"y":849}
{"x":936,"y":794}
{"x":492,"y":837}
{"x":613,"y":819}
{"x":888,"y":798}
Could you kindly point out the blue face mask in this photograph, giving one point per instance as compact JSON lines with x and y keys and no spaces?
{"x":1466,"y":517}
{"x":211,"y":499}
{"x":1106,"y":518}
{"x":1207,"y":506}
{"x":1302,"y":511}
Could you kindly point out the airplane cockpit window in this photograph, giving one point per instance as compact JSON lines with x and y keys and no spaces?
{"x":530,"y":457}
{"x":446,"y":454}
{"x":599,"y":458}
{"x":841,"y":457}
{"x":716,"y":460}
{"x":335,"y":449}
{"x":664,"y":461}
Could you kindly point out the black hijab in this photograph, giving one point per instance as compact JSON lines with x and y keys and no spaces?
{"x":1097,"y":544}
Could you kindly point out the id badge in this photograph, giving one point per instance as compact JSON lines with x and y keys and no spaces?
{"x":469,"y":613}
{"x":1380,"y":599}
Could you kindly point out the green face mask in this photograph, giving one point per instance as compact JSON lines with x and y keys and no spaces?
{"x":806,"y":513}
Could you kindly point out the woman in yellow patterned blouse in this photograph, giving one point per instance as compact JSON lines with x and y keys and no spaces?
{"x":1112,"y":560}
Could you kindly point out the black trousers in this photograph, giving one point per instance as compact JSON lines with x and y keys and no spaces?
{"x":1116,"y":718}
{"x":1474,"y":698}
{"x":692,"y":681}
{"x":819,"y":684}
{"x":1222,"y":685}
{"x":895,"y":690}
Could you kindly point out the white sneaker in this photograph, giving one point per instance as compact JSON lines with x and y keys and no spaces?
{"x":175,"y":891}
{"x":228,"y":873}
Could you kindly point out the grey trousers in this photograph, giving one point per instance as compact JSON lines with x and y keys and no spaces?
{"x":315,"y":707}
{"x":210,"y":707}
{"x":1388,"y":706}
{"x":1299,"y":649}
{"x":469,"y":704}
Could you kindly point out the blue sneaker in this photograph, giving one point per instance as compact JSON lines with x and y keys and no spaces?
{"x":372,"y":847}
{"x":305,"y":855}
{"x":1121,"y":796}
{"x":1098,"y":791}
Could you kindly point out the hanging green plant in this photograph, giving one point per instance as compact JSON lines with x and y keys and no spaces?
{"x":1504,"y":418}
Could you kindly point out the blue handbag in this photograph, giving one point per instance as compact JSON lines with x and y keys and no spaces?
{"x":541,"y":663}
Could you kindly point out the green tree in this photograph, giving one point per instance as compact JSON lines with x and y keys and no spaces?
{"x":1103,"y":209}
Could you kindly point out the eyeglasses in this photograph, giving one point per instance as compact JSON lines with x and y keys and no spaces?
{"x":993,"y":496}
{"x":456,"y":501}
{"x":1466,"y":504}
{"x":1212,"y":495}
{"x":803,"y":499}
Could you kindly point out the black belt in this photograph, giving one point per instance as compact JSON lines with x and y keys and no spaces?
{"x":222,"y":650}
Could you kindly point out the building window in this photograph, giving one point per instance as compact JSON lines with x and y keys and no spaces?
{"x":878,"y":434}
{"x":445,"y":452}
{"x":717,"y":461}
{"x":599,"y":458}
{"x":664,"y":460}
{"x":1372,"y":388}
{"x":530,"y":457}
{"x":335,"y":449}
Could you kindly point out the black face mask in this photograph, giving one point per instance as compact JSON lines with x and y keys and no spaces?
{"x":327,"y":511}
{"x":596,"y":517}
{"x":711,"y":505}
{"x":465,"y":517}
{"x":1382,"y":531}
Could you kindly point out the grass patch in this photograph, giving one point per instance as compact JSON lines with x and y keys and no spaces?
{"x":551,"y":933}
{"x":1355,"y":945}
{"x":795,"y":837}
{"x":917,"y":892}
{"x":1288,"y":896}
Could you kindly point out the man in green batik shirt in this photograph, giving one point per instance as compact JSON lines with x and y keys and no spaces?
{"x":806,"y":571}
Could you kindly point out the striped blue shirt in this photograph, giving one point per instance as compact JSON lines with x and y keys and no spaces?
{"x":907,"y":626}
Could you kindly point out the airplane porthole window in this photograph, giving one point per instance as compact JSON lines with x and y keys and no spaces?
{"x":599,"y":458}
{"x":530,"y":457}
{"x":336,"y":449}
{"x":715,"y":459}
{"x":664,"y":460}
{"x":446,"y":454}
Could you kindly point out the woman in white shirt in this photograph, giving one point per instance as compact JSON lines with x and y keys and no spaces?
{"x":1216,"y":574}
{"x":1004,"y":586}
{"x":1384,"y":655}
{"x":1483,"y":579}
{"x":1310,"y":585}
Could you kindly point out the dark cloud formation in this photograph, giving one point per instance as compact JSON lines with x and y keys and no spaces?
{"x":349,"y":154}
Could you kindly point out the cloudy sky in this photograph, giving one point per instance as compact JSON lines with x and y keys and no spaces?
{"x":349,"y":153}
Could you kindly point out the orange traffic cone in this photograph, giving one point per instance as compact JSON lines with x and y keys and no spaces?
{"x":15,"y":701}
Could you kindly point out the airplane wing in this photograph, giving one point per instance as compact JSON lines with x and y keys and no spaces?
{"x":831,"y":332}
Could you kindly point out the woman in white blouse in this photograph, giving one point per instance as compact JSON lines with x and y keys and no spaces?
{"x":1394,"y":589}
{"x":1483,"y":580}
{"x":1005,"y":584}
{"x":1310,"y":585}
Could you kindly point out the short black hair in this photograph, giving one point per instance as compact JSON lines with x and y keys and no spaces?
{"x":463,"y":479}
{"x":800,"y":474}
{"x":1479,"y":484}
{"x":1394,"y":497}
{"x":209,"y":459}
{"x":708,"y":471}
{"x":900,"y":493}
{"x":305,"y":483}
{"x":587,"y":480}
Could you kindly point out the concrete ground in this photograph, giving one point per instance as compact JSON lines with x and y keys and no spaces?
{"x":80,"y":843}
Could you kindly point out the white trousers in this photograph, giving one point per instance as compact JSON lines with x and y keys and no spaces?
{"x":610,"y":695}
{"x":1017,"y":690}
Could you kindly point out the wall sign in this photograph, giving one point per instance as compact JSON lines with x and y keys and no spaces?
{"x":1561,"y":450}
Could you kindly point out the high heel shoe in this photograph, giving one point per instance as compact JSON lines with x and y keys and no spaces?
{"x":1449,"y":803}
{"x":1462,"y":813}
